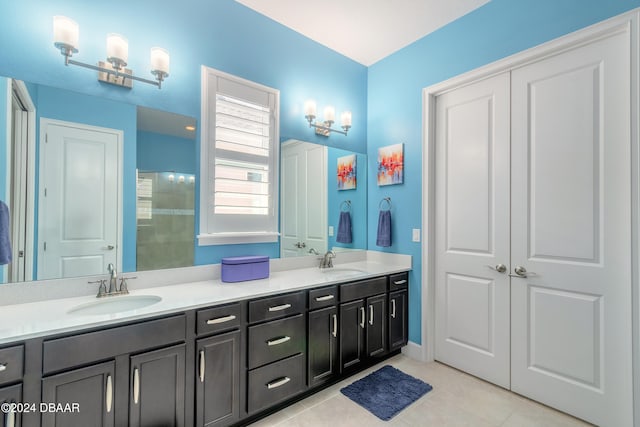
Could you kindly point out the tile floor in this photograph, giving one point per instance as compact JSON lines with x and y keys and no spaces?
{"x":457,"y":399}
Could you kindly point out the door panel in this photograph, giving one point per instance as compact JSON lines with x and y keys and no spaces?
{"x":472,"y":216}
{"x":79,"y":201}
{"x":571,"y":320}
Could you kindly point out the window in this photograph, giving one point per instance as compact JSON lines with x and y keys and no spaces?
{"x":239,"y":161}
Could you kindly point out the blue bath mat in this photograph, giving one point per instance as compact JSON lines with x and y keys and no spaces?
{"x":386,"y":391}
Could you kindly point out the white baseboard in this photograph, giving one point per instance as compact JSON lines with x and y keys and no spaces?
{"x":414,"y":351}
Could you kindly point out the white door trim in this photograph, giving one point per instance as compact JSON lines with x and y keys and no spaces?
{"x":26,"y":100}
{"x":625,"y":23}
{"x":44,"y":123}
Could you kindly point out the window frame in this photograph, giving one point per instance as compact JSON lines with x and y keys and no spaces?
{"x":208,"y":235}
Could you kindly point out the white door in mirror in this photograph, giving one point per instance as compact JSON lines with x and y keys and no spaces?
{"x":78,"y":212}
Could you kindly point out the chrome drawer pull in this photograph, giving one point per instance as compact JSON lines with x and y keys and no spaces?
{"x":280,"y":307}
{"x":221,"y":319}
{"x":400,"y":282}
{"x":324,"y":298}
{"x":278,"y":383}
{"x":393,"y":308}
{"x":3,"y":367}
{"x":136,"y":386}
{"x":10,"y":420}
{"x":335,"y":326}
{"x":362,"y":317}
{"x":371,"y":314}
{"x":278,"y":341}
{"x":109,"y":393}
{"x":202,"y":366}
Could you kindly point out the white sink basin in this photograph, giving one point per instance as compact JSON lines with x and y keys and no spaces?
{"x":341,"y":273}
{"x":115,"y":304}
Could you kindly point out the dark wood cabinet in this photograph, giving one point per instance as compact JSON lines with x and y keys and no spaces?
{"x":11,"y":394}
{"x":92,"y":389}
{"x":322,"y":337}
{"x":157,"y":388}
{"x":218,"y":380}
{"x":398,"y":319}
{"x":376,"y":325}
{"x":352,"y":333}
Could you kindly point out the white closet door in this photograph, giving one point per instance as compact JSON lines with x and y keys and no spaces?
{"x":472,"y":231}
{"x":571,"y":320}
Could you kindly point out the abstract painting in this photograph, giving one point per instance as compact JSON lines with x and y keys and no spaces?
{"x":391,"y":164}
{"x":346,"y":172}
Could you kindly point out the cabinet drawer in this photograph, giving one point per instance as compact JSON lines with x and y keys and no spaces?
{"x":276,"y":307}
{"x":399,"y":282}
{"x":363,"y":289}
{"x":276,"y":382}
{"x":11,"y":363}
{"x":276,"y":340}
{"x":76,"y":350}
{"x":218,"y":319}
{"x":323,"y":297}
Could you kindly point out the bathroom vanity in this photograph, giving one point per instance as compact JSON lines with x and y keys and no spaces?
{"x":234,"y":356}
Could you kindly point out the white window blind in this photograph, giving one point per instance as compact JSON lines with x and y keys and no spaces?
{"x":239,"y":152}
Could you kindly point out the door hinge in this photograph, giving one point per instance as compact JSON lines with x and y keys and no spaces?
{"x":45,"y":192}
{"x":46,"y":138}
{"x":45,"y":246}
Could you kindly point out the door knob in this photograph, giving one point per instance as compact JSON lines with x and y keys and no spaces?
{"x":522,"y":272}
{"x":500,"y":268}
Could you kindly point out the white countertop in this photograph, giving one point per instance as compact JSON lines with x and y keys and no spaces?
{"x":37,"y":319}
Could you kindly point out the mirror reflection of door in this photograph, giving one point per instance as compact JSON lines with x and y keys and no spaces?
{"x":78,"y":199}
{"x":303,"y":196}
{"x":20,"y":186}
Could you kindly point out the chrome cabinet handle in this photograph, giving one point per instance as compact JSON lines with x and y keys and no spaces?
{"x":10,"y":419}
{"x":136,"y":385}
{"x":399,"y":282}
{"x":280,"y":307}
{"x":522,"y":272}
{"x":221,"y":319}
{"x":3,"y":367}
{"x":500,"y":268}
{"x":362,"y":318}
{"x":109,"y":393}
{"x":277,"y":383}
{"x":324,"y":298}
{"x":371,"y":314}
{"x":393,"y":308}
{"x":335,"y":325}
{"x":278,"y":341}
{"x":202,"y":366}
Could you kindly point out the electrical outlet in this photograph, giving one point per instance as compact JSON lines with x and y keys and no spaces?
{"x":415,"y":235}
{"x":331,"y":231}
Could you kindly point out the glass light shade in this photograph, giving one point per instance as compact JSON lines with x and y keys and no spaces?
{"x":65,"y":31}
{"x":329,"y":114}
{"x":345,"y":118}
{"x":310,"y":108}
{"x":159,"y":60}
{"x":117,"y":47}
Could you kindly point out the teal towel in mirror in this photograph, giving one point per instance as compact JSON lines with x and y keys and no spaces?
{"x":5,"y":243}
{"x":384,"y":229}
{"x":344,"y":228}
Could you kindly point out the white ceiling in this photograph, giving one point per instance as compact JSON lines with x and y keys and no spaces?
{"x":364,"y":30}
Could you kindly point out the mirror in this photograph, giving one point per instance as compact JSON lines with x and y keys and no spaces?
{"x":143,"y":162}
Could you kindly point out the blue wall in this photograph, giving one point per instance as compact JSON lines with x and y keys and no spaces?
{"x":221,"y":34}
{"x":496,"y":30}
{"x":158,"y":152}
{"x":357,"y":196}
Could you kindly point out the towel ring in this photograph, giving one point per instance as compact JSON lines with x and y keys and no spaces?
{"x":381,"y":204}
{"x":347,"y":204}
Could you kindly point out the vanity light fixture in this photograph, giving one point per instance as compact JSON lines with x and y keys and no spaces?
{"x":66,"y":36}
{"x":325,"y":129}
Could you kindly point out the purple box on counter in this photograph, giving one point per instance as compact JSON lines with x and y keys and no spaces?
{"x":242,"y":268}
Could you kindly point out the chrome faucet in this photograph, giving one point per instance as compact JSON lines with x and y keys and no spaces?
{"x":327,"y":260}
{"x":113,"y":279}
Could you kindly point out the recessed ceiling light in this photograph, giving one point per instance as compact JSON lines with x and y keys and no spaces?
{"x":190,"y":128}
